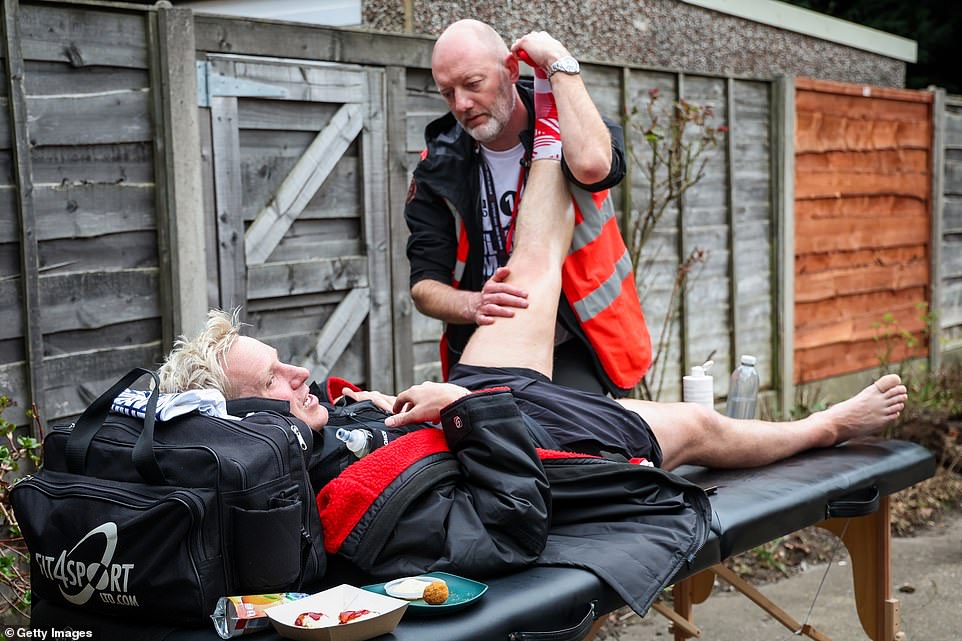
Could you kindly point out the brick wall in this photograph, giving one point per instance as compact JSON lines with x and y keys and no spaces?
{"x":665,"y":34}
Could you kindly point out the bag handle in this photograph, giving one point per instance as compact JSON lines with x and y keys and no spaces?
{"x":92,"y":419}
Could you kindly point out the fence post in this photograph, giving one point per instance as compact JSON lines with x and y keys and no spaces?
{"x":398,"y":183}
{"x":735,"y":342}
{"x":935,"y":271}
{"x":377,"y":236}
{"x":625,"y":120}
{"x":683,"y":249}
{"x":23,"y":180}
{"x":783,"y":134}
{"x":180,"y":208}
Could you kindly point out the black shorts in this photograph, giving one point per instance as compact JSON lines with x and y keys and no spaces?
{"x":576,"y":420}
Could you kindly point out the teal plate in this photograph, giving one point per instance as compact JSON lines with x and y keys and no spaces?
{"x":461,"y":593}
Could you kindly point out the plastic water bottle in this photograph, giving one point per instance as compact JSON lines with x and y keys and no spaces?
{"x":743,"y":389}
{"x":358,"y":441}
{"x":698,"y":387}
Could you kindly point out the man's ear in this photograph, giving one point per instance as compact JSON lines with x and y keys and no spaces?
{"x":513,"y":66}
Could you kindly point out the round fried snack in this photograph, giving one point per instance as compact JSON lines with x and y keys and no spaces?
{"x":436,"y":593}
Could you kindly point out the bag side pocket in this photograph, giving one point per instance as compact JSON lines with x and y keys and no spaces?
{"x":267,"y":548}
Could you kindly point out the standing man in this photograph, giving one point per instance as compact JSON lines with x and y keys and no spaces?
{"x":462,"y":206}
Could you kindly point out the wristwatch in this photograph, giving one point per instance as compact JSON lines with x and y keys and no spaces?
{"x":565,"y":64}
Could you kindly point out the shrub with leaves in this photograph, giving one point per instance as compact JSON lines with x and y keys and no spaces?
{"x":16,"y":450}
{"x":892,"y":337}
{"x":677,"y":139}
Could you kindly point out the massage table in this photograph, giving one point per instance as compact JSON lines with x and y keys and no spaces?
{"x":845,"y":489}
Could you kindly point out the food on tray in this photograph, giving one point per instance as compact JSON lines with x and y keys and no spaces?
{"x":436,"y":593}
{"x":353,"y":615}
{"x":310,"y":620}
{"x":410,"y":588}
{"x":319,"y":619}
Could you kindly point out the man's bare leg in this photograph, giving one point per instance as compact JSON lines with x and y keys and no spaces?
{"x":542,"y":239}
{"x":690,"y":433}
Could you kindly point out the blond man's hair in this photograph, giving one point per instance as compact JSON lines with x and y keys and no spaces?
{"x":198,"y":363}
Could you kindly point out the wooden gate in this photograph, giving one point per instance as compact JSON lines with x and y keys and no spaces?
{"x":294,"y":160}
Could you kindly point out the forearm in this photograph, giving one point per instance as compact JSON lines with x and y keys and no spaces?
{"x":441,"y":301}
{"x":584,"y":136}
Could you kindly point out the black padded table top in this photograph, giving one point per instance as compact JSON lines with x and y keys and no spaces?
{"x":751,"y":507}
{"x":754,"y":506}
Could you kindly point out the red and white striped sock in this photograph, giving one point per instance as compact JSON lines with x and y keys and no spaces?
{"x":547,"y":132}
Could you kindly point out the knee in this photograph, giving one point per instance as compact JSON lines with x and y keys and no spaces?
{"x":536,"y":257}
{"x":705,"y":423}
{"x":531,"y":270}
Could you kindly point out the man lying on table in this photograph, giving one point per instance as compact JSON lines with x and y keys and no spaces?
{"x":515,"y":474}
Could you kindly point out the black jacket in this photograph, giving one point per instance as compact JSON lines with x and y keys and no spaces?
{"x":479,"y":499}
{"x":448,"y":178}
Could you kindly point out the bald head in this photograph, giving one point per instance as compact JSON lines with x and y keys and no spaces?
{"x":475,"y":74}
{"x":468,"y":39}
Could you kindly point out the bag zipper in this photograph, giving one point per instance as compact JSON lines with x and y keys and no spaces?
{"x":233,"y":426}
{"x":43,"y":483}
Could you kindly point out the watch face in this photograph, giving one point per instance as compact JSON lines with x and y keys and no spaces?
{"x":566,"y":64}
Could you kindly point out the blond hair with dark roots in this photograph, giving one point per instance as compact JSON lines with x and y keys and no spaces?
{"x":198,"y":363}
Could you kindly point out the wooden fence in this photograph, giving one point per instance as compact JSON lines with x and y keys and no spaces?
{"x":862,"y":226}
{"x":88,"y":180}
{"x":947,"y":228}
{"x":157,"y":163}
{"x":732,"y":204}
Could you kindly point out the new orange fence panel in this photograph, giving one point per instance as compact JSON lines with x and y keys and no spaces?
{"x":862,"y":225}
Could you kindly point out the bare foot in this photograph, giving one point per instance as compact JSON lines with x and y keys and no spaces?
{"x":868,"y":411}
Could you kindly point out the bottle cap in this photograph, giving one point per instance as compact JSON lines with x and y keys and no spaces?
{"x":354,"y":439}
{"x":699,"y":387}
{"x":748,"y":359}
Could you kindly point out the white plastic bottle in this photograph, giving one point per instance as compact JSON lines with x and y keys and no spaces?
{"x":698,"y":387}
{"x":743,"y":389}
{"x":358,"y":441}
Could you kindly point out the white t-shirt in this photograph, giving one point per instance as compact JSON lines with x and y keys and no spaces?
{"x":505,"y":168}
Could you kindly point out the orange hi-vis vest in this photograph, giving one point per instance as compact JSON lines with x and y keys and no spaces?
{"x":599,"y":283}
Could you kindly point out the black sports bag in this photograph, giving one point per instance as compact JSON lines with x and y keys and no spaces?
{"x":157,"y":520}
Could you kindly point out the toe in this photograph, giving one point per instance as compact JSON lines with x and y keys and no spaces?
{"x":887,"y":382}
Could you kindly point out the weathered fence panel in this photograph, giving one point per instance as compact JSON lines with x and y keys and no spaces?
{"x":727,"y":307}
{"x":424,"y":104}
{"x":949,"y":302}
{"x":92,"y":210}
{"x":297,"y":192}
{"x":752,"y":226}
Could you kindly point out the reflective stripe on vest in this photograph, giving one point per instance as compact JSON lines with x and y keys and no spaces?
{"x":598,"y":281}
{"x":597,"y":301}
